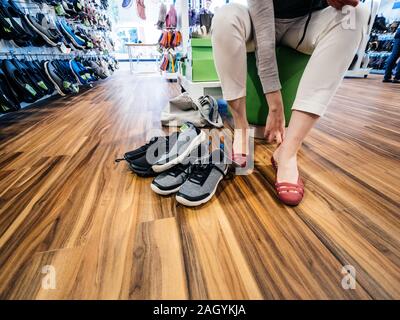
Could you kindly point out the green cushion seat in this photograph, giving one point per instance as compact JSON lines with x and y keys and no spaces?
{"x":291,"y":65}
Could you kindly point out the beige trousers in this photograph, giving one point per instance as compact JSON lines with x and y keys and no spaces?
{"x":332,"y":40}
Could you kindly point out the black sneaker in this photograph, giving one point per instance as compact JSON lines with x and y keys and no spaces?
{"x":56,"y":78}
{"x":142,"y":167}
{"x":20,"y":84}
{"x":7,"y":101}
{"x":141,"y":151}
{"x":142,"y":159}
{"x":34,"y":78}
{"x":8,"y":97}
{"x":38,"y":68}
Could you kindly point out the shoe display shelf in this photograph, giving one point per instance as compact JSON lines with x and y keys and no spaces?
{"x":198,"y":89}
{"x":360,"y":69}
{"x":377,"y":59}
{"x":198,"y":75}
{"x":99,"y":26}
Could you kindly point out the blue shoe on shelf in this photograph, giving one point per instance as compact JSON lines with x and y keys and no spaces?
{"x":69,"y":33}
{"x":127,"y":3}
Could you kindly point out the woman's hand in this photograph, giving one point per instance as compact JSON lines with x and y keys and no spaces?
{"x":275,"y":126}
{"x":339,"y":4}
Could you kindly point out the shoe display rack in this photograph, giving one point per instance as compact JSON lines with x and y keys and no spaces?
{"x":359,"y":68}
{"x":50,"y":47}
{"x":380,"y":49}
{"x":170,"y":43}
{"x":204,"y":84}
{"x":380,"y":43}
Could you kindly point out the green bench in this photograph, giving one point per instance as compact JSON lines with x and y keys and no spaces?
{"x":291,"y":65}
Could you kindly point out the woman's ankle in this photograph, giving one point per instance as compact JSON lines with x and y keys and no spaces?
{"x":287,"y":160}
{"x":288,"y":170}
{"x":241,"y":141}
{"x":285,"y":152}
{"x":276,"y":154}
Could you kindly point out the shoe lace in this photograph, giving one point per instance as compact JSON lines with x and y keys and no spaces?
{"x":200,"y":172}
{"x":179,"y":169}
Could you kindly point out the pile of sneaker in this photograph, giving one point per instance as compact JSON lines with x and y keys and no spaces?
{"x":181,"y":164}
{"x":30,"y":80}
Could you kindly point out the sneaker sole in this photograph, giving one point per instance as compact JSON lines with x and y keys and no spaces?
{"x":44,"y":36}
{"x":58,"y":89}
{"x":141,"y":172}
{"x":195,"y":143}
{"x":189,"y":203}
{"x":163,"y":192}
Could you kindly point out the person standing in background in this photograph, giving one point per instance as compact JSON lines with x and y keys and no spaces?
{"x":392,"y":61}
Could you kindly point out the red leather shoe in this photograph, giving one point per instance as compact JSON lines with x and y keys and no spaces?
{"x":240,"y":159}
{"x":290,"y":194}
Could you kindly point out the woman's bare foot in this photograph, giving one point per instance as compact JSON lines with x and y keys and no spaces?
{"x":287,"y":166}
{"x":241,"y":132}
{"x":241,"y":141}
{"x":240,"y":148}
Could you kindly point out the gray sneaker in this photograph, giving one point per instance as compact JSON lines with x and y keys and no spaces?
{"x":55,"y":77}
{"x":170,"y":181}
{"x":188,"y":139}
{"x":203,"y":180}
{"x":42,"y":27}
{"x":99,"y":69}
{"x":208,"y":108}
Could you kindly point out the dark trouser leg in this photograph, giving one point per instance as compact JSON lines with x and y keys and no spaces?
{"x":391,"y":62}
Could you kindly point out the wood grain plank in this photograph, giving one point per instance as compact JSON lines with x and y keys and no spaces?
{"x":216,"y":267}
{"x":158,"y":270}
